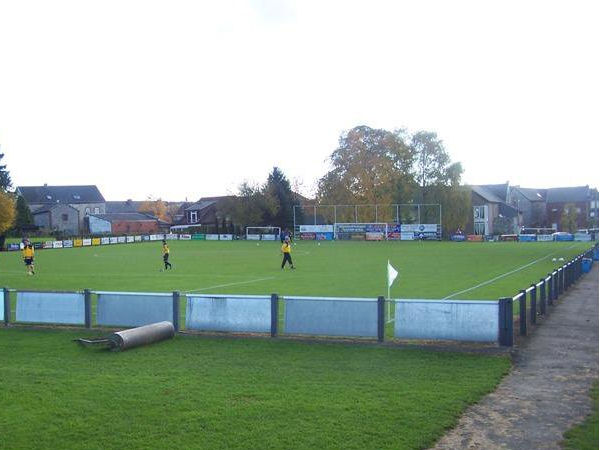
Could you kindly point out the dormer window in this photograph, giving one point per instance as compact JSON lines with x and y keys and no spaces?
{"x":49,"y":197}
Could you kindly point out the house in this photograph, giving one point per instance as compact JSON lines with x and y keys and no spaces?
{"x":206,"y":213}
{"x":491,"y":212}
{"x":125,"y":223}
{"x":531,"y":204}
{"x":581,"y":198}
{"x":84,"y":199}
{"x":57,"y":217}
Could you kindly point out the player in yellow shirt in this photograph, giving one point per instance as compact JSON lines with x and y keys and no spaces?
{"x":28,"y":254}
{"x":165,"y":252}
{"x":286,"y":249}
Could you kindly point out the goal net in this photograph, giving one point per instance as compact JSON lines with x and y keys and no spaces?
{"x":360,"y":231}
{"x":263,"y":233}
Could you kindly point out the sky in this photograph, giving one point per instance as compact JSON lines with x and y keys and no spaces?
{"x":183,"y":99}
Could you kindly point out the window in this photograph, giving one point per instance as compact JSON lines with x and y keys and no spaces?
{"x":578,"y":210}
{"x":87,"y":211}
{"x":49,"y":197}
{"x":96,"y":210}
{"x":193,"y":216}
{"x":479,"y":212}
{"x":65,"y":217}
{"x":479,"y":228}
{"x":77,"y":196}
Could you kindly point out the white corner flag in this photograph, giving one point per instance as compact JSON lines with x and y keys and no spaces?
{"x":391,"y":276}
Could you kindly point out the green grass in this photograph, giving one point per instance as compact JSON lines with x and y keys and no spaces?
{"x":194,"y":392}
{"x":585,"y":436}
{"x":355,"y":269}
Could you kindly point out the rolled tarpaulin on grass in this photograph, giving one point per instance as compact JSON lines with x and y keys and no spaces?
{"x":134,"y":337}
{"x":147,"y":334}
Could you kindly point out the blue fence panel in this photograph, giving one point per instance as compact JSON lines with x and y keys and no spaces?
{"x":460,"y":320}
{"x":238,"y":313}
{"x":51,"y":307}
{"x":2,"y":306}
{"x":133,"y":309}
{"x":331,"y":316}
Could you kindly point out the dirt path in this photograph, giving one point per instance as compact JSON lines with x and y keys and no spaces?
{"x":548,"y":389}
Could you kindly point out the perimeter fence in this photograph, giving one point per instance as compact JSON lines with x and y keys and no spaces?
{"x":274,"y":315}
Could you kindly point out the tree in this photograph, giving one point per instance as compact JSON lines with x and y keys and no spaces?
{"x":7,"y":213}
{"x":568,"y":218}
{"x":247,"y":208}
{"x":279,"y":200}
{"x":157,"y":208}
{"x":5,"y":181}
{"x":370,"y":166}
{"x":23,"y":214}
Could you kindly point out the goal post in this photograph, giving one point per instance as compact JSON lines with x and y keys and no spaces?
{"x":263,"y":233}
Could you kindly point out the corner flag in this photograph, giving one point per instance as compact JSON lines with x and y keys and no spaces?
{"x":391,"y":274}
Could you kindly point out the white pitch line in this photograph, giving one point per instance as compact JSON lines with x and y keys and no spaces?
{"x":228,"y":284}
{"x":503,"y":275}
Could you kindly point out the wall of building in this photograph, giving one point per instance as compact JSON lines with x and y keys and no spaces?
{"x":64,"y":218}
{"x":99,"y":226}
{"x":134,"y":227}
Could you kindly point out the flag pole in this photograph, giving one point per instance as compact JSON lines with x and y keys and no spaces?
{"x":388,"y":286}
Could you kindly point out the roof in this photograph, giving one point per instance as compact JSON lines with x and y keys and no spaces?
{"x":61,"y":194}
{"x":568,"y":194}
{"x":507,"y":210}
{"x":533,"y":195}
{"x":130,"y":217}
{"x":48,"y":208}
{"x":487,"y":194}
{"x":127,"y":206}
{"x":199,"y":205}
{"x":499,"y":190}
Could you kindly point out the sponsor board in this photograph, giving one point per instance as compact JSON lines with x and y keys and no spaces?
{"x":13,"y":247}
{"x":105,"y":241}
{"x":509,"y":237}
{"x":229,"y":237}
{"x":564,"y":237}
{"x":475,"y":238}
{"x":316,"y":228}
{"x":96,"y":241}
{"x":527,"y":238}
{"x":171,"y":237}
{"x":130,"y":239}
{"x":48,"y":244}
{"x":77,"y":242}
{"x":157,"y":237}
{"x":373,"y":236}
{"x":68,"y":244}
{"x":57,"y":244}
{"x":38,"y":245}
{"x":212,"y":237}
{"x":113,"y":240}
{"x":86,"y":242}
{"x":583,"y":237}
{"x":407,"y":236}
{"x":198,"y":237}
{"x":351,"y":228}
{"x":121,"y":239}
{"x":185,"y":237}
{"x":419,"y":227}
{"x":458,"y":238}
{"x":253,"y":237}
{"x":137,"y":238}
{"x":146,"y":238}
{"x":308,"y":236}
{"x":544,"y":237}
{"x":269,"y":237}
{"x":324,"y":236}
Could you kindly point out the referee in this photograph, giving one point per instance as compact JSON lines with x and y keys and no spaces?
{"x":286,"y":249}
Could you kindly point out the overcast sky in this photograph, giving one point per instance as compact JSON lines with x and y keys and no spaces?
{"x":183,"y":99}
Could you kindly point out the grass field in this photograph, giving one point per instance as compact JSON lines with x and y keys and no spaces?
{"x":210,"y":392}
{"x":194,"y":392}
{"x":353,"y":269}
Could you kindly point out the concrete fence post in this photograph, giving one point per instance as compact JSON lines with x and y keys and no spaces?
{"x":380,"y":318}
{"x":550,"y":289}
{"x":87,"y":301}
{"x":523,"y":313}
{"x":6,"y":306}
{"x":274,"y":314}
{"x":533,"y":304}
{"x":543,"y":296}
{"x":176,"y":297}
{"x":561,"y":280}
{"x":505,"y":322}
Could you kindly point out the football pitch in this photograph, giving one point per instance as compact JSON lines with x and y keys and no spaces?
{"x":430,"y":270}
{"x":222,"y":392}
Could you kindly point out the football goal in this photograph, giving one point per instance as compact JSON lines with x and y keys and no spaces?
{"x":263,"y":233}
